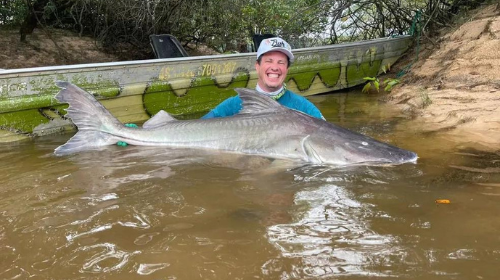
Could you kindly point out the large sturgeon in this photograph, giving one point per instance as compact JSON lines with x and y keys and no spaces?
{"x":263,"y":127}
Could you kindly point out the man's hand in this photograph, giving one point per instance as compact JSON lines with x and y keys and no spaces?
{"x":125,"y":144}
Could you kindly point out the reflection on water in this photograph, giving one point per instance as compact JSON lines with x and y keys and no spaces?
{"x":333,"y":234}
{"x":333,"y":237}
{"x":148,"y":213}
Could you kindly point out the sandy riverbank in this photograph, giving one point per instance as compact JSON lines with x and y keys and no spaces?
{"x":454,"y":87}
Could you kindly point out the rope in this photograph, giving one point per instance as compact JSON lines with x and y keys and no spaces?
{"x":415,"y":31}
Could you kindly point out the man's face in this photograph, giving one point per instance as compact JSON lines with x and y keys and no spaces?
{"x":272,"y":70}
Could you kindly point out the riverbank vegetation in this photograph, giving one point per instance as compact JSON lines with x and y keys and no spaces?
{"x":123,"y":27}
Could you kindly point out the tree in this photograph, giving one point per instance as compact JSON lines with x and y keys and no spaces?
{"x":228,"y":25}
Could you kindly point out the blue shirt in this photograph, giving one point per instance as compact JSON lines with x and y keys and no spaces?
{"x":232,"y":106}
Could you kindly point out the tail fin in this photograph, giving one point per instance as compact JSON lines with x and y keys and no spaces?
{"x":94,"y":121}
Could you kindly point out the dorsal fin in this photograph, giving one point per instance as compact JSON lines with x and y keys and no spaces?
{"x":254,"y":102}
{"x":159,"y":119}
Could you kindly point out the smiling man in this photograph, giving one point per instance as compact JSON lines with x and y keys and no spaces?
{"x":274,"y":56}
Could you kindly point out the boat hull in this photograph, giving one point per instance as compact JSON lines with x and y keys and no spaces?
{"x":184,"y":87}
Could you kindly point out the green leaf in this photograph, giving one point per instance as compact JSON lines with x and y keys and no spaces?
{"x":390,"y":84}
{"x":366,"y":88}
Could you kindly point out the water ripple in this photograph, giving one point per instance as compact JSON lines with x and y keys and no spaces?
{"x":147,"y":269}
{"x":94,"y":199}
{"x":331,"y":238}
{"x":145,"y":238}
{"x":71,"y":237}
{"x":143,"y":223}
{"x":91,"y":217}
{"x":100,"y":258}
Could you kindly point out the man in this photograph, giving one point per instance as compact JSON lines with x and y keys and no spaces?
{"x":274,"y":57}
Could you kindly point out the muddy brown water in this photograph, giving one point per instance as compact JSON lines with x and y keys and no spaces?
{"x":149,"y":213}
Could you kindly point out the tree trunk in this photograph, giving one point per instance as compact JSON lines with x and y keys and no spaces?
{"x":35,"y":10}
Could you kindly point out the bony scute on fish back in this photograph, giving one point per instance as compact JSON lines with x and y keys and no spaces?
{"x":298,"y":137}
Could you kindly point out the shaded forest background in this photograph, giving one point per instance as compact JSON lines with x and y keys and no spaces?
{"x":124,"y":26}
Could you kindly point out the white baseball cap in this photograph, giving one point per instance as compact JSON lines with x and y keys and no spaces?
{"x":275,"y":44}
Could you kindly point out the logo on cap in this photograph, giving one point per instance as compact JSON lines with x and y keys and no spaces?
{"x":275,"y":43}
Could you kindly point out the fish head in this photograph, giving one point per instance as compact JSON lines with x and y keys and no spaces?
{"x":335,"y":145}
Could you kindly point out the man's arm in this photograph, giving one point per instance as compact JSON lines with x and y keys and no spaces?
{"x":226,"y":108}
{"x":301,"y":103}
{"x":312,"y":110}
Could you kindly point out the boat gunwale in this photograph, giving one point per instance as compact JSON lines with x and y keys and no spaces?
{"x":191,"y":59}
